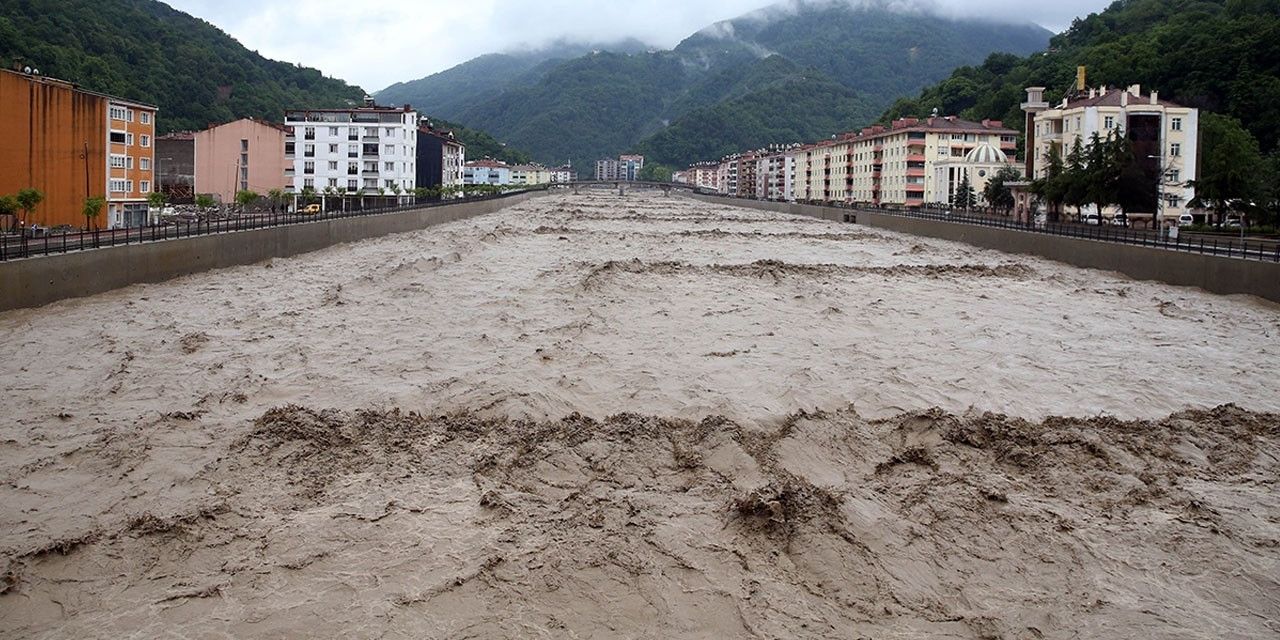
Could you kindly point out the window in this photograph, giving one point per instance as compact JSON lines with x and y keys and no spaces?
{"x":117,"y":186}
{"x":128,"y":162}
{"x":128,"y":139}
{"x":333,"y":132}
{"x":117,"y":161}
{"x":308,"y":183}
{"x":1175,"y":150}
{"x":333,"y":182}
{"x":289,"y":149}
{"x":146,"y":186}
{"x":144,"y":164}
{"x":390,"y":184}
{"x":128,"y":115}
{"x":309,"y":151}
{"x":353,"y":169}
{"x":146,"y":141}
{"x":353,"y":151}
{"x":128,"y":184}
{"x":1173,"y":176}
{"x":244,"y":146}
{"x":353,"y":185}
{"x":1176,"y":125}
{"x":146,"y":117}
{"x":118,"y":137}
{"x":333,"y":165}
{"x":309,"y":133}
{"x":308,"y":167}
{"x":389,"y":167}
{"x":117,"y":113}
{"x":389,"y":149}
{"x":333,"y":148}
{"x":1109,"y":123}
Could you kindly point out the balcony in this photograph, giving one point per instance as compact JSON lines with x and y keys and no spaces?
{"x":371,"y":139}
{"x":915,"y":172}
{"x":369,"y":172}
{"x":916,"y":157}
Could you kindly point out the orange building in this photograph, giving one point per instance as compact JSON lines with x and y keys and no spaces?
{"x":65,"y":142}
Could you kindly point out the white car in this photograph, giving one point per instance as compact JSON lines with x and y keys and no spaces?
{"x":1093,"y":219}
{"x":1186,"y":220}
{"x":1120,"y":221}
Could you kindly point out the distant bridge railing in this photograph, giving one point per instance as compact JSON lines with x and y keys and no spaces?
{"x":17,"y":246}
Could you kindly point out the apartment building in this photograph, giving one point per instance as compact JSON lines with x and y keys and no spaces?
{"x":746,"y":185}
{"x":705,"y":175}
{"x":562,"y":175}
{"x":490,"y":172}
{"x":73,"y":144}
{"x":1165,"y":136}
{"x":607,"y":169}
{"x":629,"y":167}
{"x":894,"y":164}
{"x":775,"y":175}
{"x":727,"y":175}
{"x":442,"y":159}
{"x":360,"y":150}
{"x":244,"y":155}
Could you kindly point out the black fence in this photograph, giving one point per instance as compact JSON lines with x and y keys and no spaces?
{"x":1265,"y":250}
{"x":16,"y":246}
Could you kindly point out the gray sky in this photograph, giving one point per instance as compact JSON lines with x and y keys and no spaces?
{"x":374,"y":43}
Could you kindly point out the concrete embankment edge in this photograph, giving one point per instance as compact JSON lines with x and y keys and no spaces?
{"x":38,"y":281}
{"x":1216,"y":274}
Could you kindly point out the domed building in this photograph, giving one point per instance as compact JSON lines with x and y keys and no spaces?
{"x":980,"y":164}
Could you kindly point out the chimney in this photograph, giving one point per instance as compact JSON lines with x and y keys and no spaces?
{"x":1124,"y":99}
{"x":1104,"y":91}
{"x":1155,"y":97}
{"x":1136,"y":90}
{"x":1093,"y":93}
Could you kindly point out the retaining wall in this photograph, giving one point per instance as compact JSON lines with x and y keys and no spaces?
{"x":1216,"y":274}
{"x":33,"y":282}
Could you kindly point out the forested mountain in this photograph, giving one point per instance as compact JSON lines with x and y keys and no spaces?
{"x":1217,"y":55}
{"x":840,"y":62}
{"x":449,"y":92}
{"x":146,"y":51}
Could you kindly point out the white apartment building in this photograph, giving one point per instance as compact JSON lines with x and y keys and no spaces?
{"x":358,"y":150}
{"x":490,"y":172}
{"x":775,"y":176}
{"x":1165,"y":136}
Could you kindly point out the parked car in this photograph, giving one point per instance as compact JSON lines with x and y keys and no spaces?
{"x":311,"y":208}
{"x":1231,"y":223}
{"x":1120,"y":220}
{"x":1092,"y":219}
{"x":1186,"y":220}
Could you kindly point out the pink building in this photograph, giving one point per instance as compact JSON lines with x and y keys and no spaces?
{"x":245,"y":155}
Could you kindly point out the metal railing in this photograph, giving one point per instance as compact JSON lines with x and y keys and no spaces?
{"x":1265,"y":250}
{"x":14,"y":247}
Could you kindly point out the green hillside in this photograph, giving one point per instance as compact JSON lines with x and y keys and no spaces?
{"x":1217,"y":55}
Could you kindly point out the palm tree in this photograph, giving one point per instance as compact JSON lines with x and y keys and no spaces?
{"x":92,"y":209}
{"x":276,"y":196}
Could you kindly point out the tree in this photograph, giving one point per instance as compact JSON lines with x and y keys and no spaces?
{"x":965,"y":197}
{"x":205,"y":201}
{"x":308,"y":195}
{"x":655,"y":173}
{"x":1075,"y":178}
{"x":997,"y":192}
{"x":9,"y":207}
{"x":245,"y":198}
{"x":1230,"y":165}
{"x":156,"y":199}
{"x":92,"y":209}
{"x":276,"y":196}
{"x":28,"y":200}
{"x":1053,"y":187}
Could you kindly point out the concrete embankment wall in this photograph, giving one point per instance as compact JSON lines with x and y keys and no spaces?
{"x":36,"y":281}
{"x":1216,"y":274}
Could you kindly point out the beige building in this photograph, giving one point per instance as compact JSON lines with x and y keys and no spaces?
{"x":895,"y":164}
{"x":1165,"y":136}
{"x":980,"y":165}
{"x":245,"y":155}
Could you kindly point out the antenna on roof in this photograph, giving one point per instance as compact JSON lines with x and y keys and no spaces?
{"x":935,"y":112}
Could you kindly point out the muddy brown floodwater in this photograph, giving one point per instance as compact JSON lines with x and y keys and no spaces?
{"x":642,"y":417}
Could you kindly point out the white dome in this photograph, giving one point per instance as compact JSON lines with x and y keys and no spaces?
{"x":986,"y":154}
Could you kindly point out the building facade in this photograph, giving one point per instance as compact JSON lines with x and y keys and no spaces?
{"x":1165,"y":137}
{"x":441,"y":159}
{"x":245,"y":155}
{"x":366,"y":150}
{"x":979,"y":166}
{"x":490,"y":172}
{"x":895,"y":164}
{"x":606,"y":169}
{"x":629,"y":167}
{"x":176,"y":166}
{"x":73,"y":144}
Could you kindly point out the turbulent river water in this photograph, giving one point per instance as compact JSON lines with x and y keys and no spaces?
{"x":642,"y":416}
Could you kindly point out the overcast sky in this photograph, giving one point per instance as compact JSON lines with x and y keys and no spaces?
{"x":374,"y":43}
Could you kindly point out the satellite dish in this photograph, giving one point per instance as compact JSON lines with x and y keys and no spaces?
{"x":26,"y":70}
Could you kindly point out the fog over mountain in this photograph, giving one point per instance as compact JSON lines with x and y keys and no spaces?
{"x":404,"y":39}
